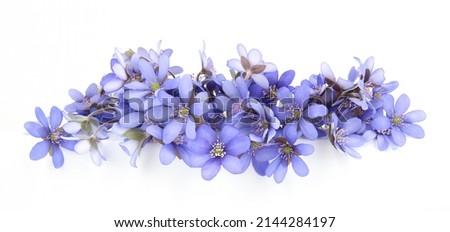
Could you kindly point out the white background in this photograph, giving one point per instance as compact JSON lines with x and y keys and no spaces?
{"x":48,"y":47}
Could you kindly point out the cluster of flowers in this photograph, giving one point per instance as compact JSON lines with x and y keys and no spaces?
{"x":258,"y":116}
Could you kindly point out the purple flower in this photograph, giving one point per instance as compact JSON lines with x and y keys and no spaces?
{"x":380,"y":129}
{"x":265,"y":126}
{"x":297,"y":114}
{"x":281,"y":154}
{"x":251,"y":65}
{"x":401,"y":122}
{"x":270,"y":94}
{"x":175,"y":148}
{"x":84,"y":102}
{"x":51,"y":133}
{"x":211,"y":150}
{"x":250,"y":156}
{"x":344,"y":135}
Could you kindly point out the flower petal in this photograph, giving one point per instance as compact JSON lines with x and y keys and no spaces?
{"x":254,"y":56}
{"x":270,"y":67}
{"x":382,"y":142}
{"x":167,"y":154}
{"x":76,"y":95}
{"x":260,"y":167}
{"x":381,"y":123}
{"x":242,"y":87}
{"x":91,"y":90}
{"x":57,"y":156}
{"x":155,"y":131}
{"x":316,"y":110}
{"x":55,"y":117}
{"x":113,"y":85}
{"x":352,"y":125}
{"x":199,"y":146}
{"x":241,"y":50}
{"x":236,"y":65}
{"x":96,"y":157}
{"x":206,"y":132}
{"x":232,"y":164}
{"x":273,"y":166}
{"x":132,"y":119}
{"x":69,"y":144}
{"x":245,"y":160}
{"x":228,"y":133}
{"x":35,"y":130}
{"x":147,"y":71}
{"x":40,"y":150}
{"x":119,"y":71}
{"x":304,"y":149}
{"x":72,"y":127}
{"x":326,"y":71}
{"x":190,"y":128}
{"x":237,"y":145}
{"x":388,"y":104}
{"x":41,"y":118}
{"x":402,"y":104}
{"x":171,"y":131}
{"x":413,"y":130}
{"x":163,"y":67}
{"x":281,"y":171}
{"x":230,"y":89}
{"x":185,"y":87}
{"x":355,"y":140}
{"x":82,"y":147}
{"x":308,"y":129}
{"x":398,"y":136}
{"x":286,"y":78}
{"x":267,"y":153}
{"x":351,"y":152}
{"x":290,"y":132}
{"x":299,"y":166}
{"x":415,"y":116}
{"x":377,"y":76}
{"x":210,"y":169}
{"x":260,"y":80}
{"x":198,"y":160}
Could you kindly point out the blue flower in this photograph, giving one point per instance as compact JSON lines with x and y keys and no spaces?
{"x":380,"y":129}
{"x":297,"y":112}
{"x":344,"y":135}
{"x":251,"y":66}
{"x":83,"y":103}
{"x":265,"y":124}
{"x":270,"y":95}
{"x":281,"y":154}
{"x":210,"y":150}
{"x":51,"y":133}
{"x":250,"y":157}
{"x":401,"y":122}
{"x":175,"y":148}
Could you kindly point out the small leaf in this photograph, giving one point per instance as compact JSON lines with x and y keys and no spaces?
{"x":86,"y":126}
{"x":135,"y":134}
{"x":94,"y":121}
{"x":76,"y":118}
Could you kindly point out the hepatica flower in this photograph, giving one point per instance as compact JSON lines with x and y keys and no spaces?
{"x":283,"y":153}
{"x":258,"y":116}
{"x":212,"y":150}
{"x":49,"y":130}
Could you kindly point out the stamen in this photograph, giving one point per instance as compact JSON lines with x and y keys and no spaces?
{"x":218,"y":149}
